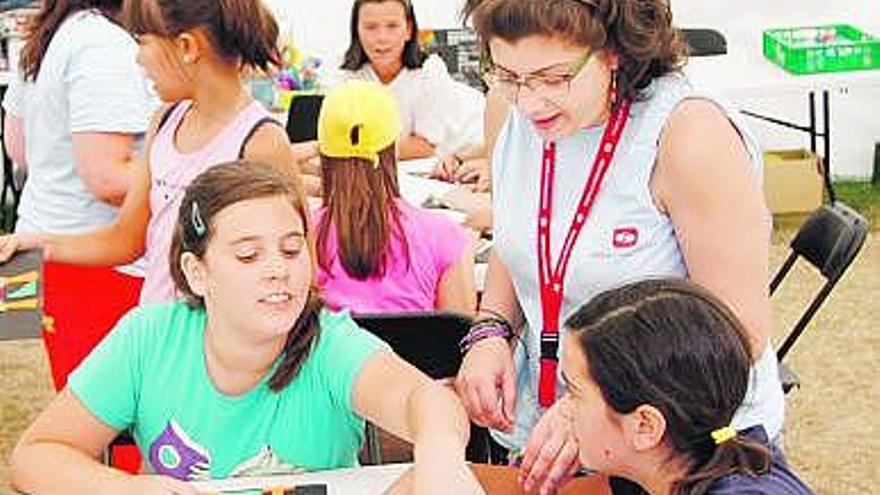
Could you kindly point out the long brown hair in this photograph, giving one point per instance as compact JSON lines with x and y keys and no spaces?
{"x":360,"y":203}
{"x":212,"y":191}
{"x":639,"y":32}
{"x":46,"y":23}
{"x":672,"y":345}
{"x":355,"y":57}
{"x":240,"y":30}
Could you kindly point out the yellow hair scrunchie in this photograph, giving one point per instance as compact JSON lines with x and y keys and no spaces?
{"x":722,"y":435}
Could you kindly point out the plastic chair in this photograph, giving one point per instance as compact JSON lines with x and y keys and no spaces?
{"x":302,"y":118}
{"x":11,"y":188}
{"x":830,"y":240}
{"x":429,"y":341}
{"x":704,"y":42}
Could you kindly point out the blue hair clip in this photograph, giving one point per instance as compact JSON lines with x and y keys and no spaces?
{"x":198,"y":223}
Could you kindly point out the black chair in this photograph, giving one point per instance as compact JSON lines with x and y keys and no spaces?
{"x":11,"y":188}
{"x":302,"y":118}
{"x":704,"y":42}
{"x":830,"y":240}
{"x":429,"y":341}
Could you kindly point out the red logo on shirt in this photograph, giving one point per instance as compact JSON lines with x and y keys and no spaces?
{"x":625,"y":237}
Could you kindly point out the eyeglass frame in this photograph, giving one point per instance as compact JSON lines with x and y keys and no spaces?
{"x":492,"y":80}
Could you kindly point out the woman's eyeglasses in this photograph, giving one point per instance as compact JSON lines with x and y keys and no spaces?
{"x":546,"y":83}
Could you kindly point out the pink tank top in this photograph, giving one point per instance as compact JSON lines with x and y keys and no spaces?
{"x":171,"y":172}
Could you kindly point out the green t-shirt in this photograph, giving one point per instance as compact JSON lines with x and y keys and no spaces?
{"x":149,"y":376}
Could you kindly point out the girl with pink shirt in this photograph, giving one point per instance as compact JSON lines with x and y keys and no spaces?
{"x":376,"y":253}
{"x":194,"y":51}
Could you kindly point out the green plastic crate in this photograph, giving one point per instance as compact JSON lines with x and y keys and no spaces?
{"x":830,"y":48}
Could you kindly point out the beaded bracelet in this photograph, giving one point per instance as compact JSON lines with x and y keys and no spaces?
{"x":483,"y":329}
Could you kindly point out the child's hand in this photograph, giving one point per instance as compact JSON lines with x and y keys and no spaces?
{"x":550,"y":458}
{"x":440,"y":468}
{"x":160,"y":485}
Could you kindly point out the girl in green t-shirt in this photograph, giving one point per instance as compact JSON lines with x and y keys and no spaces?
{"x":248,"y":375}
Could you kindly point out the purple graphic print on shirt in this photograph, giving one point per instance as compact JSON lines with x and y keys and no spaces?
{"x":174,"y":454}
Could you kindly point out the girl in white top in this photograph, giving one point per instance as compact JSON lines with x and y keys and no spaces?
{"x":681,"y":198}
{"x":439,"y":116}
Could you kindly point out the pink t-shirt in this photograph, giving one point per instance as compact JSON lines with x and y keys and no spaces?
{"x":171,"y":172}
{"x":435,"y":244}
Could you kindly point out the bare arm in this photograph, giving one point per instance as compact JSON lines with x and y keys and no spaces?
{"x":497,"y":108}
{"x":499,"y":297}
{"x":269,"y":145}
{"x":58,"y":454}
{"x":104,"y":163}
{"x":120,"y":242}
{"x":718,"y":210}
{"x":474,"y":165}
{"x":415,"y":146}
{"x":13,"y":139}
{"x":308,"y":159}
{"x":486,"y":381}
{"x":431,"y":418}
{"x":456,"y":291}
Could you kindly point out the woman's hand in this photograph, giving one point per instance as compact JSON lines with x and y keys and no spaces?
{"x":551,"y":455}
{"x":486,"y":384}
{"x":12,"y":243}
{"x":160,"y":485}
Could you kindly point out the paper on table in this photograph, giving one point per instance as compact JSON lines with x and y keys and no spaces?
{"x":419,"y":190}
{"x":418,"y":166}
{"x":366,"y":480}
{"x":21,"y":296}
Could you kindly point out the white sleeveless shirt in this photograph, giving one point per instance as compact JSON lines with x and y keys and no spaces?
{"x":625,"y":238}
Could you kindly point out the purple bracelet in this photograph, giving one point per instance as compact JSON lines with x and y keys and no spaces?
{"x":480,"y":332}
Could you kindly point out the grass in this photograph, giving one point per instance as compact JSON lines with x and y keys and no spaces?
{"x":862,"y":196}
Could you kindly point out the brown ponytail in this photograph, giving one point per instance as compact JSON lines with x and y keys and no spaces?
{"x":47,"y":22}
{"x":248,"y":29}
{"x":738,"y":455}
{"x":361,"y":208}
{"x":240,"y":30}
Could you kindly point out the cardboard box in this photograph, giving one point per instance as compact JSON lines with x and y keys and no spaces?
{"x":792,"y":181}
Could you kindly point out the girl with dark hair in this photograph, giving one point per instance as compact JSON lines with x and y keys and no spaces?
{"x":376,"y":252}
{"x":195,"y":52}
{"x":611,"y":167}
{"x":75,"y":116}
{"x":438,"y":115}
{"x":248,"y":375}
{"x":654,"y":372}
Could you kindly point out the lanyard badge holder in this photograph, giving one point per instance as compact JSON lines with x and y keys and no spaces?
{"x":552,"y":277}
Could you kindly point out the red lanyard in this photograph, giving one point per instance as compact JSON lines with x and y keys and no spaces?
{"x":552,"y":278}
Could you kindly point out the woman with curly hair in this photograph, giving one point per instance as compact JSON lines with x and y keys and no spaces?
{"x":611,"y":167}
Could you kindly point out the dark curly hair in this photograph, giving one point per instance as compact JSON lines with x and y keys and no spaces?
{"x":639,"y":32}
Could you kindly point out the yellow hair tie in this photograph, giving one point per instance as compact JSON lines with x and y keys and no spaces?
{"x":722,"y":435}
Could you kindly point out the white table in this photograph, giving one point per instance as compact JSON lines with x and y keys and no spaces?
{"x":365,"y":480}
{"x":373,"y":480}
